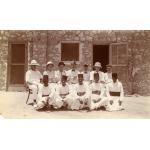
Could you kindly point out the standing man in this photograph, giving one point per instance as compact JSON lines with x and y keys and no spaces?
{"x":97,"y":94}
{"x":60,"y":72}
{"x":115,"y":94}
{"x":86,"y":74}
{"x":108,"y":74}
{"x":81,"y":94}
{"x":45,"y":94}
{"x":73,"y":74}
{"x":97,"y":67}
{"x":33,"y":78}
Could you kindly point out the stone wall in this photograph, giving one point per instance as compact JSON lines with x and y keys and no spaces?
{"x":45,"y":45}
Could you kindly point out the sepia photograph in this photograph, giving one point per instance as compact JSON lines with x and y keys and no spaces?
{"x":75,"y":74}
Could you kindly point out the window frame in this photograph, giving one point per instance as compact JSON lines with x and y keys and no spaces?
{"x":110,"y":53}
{"x":70,"y":42}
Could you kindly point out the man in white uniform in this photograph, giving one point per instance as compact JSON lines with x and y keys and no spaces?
{"x":97,"y":67}
{"x":108,"y":74}
{"x":45,"y":94}
{"x":97,"y":94}
{"x":61,"y":71}
{"x":86,"y":74}
{"x":81,"y":95}
{"x":73,"y":74}
{"x":51,"y":73}
{"x":33,"y":78}
{"x":115,"y":94}
{"x":63,"y":94}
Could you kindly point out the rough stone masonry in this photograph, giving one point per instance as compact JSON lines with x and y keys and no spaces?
{"x":44,"y":45}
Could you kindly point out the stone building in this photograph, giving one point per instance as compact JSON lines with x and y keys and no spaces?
{"x":127,"y":51}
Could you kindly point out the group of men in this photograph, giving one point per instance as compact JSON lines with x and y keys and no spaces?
{"x":74,"y":89}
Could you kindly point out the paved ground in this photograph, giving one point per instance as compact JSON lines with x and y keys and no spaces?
{"x":12,"y":105}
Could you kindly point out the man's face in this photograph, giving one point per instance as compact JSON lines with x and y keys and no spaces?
{"x":50,"y":67}
{"x":97,"y":68}
{"x":74,"y":66}
{"x":45,"y":81}
{"x":109,"y":69}
{"x":114,"y":79}
{"x":96,"y":79}
{"x":63,"y":82}
{"x":80,"y":79}
{"x":61,"y":67}
{"x":33,"y":67}
{"x":85,"y":68}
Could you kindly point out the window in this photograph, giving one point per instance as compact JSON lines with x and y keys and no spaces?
{"x":69,"y":51}
{"x":119,"y":54}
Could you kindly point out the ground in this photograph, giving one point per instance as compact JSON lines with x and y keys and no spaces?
{"x":12,"y":105}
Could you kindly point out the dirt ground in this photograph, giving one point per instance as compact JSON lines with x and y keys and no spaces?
{"x":12,"y":105}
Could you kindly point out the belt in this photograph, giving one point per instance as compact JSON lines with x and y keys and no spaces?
{"x":45,"y":95}
{"x":96,"y":92}
{"x":114,"y":93}
{"x":80,"y":93}
{"x":63,"y":94}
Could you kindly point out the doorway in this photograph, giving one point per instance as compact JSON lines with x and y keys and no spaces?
{"x":16,"y":66}
{"x":101,"y":54}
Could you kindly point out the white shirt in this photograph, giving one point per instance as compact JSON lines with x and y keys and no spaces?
{"x":51,"y":76}
{"x":33,"y":76}
{"x":86,"y":75}
{"x":97,"y":87}
{"x":72,"y":76}
{"x":115,"y":87}
{"x":108,"y":77}
{"x":59,"y":74}
{"x":101,"y":76}
{"x":60,"y":89}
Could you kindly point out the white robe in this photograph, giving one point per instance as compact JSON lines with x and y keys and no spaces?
{"x":115,"y":87}
{"x":97,"y":100}
{"x":82,"y":101}
{"x":45,"y":97}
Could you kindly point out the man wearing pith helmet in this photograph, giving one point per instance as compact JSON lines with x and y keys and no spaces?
{"x":33,"y":78}
{"x":97,"y":67}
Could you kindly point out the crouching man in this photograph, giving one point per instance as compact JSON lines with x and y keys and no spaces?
{"x":63,"y":94}
{"x":81,"y":95}
{"x":97,"y":94}
{"x":45,"y":94}
{"x":115,"y":94}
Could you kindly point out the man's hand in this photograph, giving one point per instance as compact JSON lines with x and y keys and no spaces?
{"x":111,"y":102}
{"x":99,"y":100}
{"x":120,"y":103}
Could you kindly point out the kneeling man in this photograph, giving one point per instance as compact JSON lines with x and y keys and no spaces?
{"x":81,"y":95}
{"x":97,"y":94}
{"x":115,"y":94}
{"x":45,"y":94}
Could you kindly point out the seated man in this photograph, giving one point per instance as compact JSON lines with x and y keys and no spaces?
{"x":97,"y":94}
{"x":115,"y":93}
{"x":81,"y":95}
{"x":63,"y":92}
{"x":45,"y":94}
{"x":33,"y":78}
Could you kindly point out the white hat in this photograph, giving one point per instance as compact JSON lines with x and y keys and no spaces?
{"x":49,"y":63}
{"x":45,"y":73}
{"x":34,"y":63}
{"x":98,"y":64}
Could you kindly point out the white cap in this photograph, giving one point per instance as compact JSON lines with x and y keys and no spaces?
{"x":45,"y":73}
{"x":50,"y":63}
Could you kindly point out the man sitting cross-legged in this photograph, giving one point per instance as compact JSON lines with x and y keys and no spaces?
{"x":45,"y":94}
{"x":97,"y":94}
{"x":63,"y":94}
{"x":115,"y":94}
{"x":81,"y":95}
